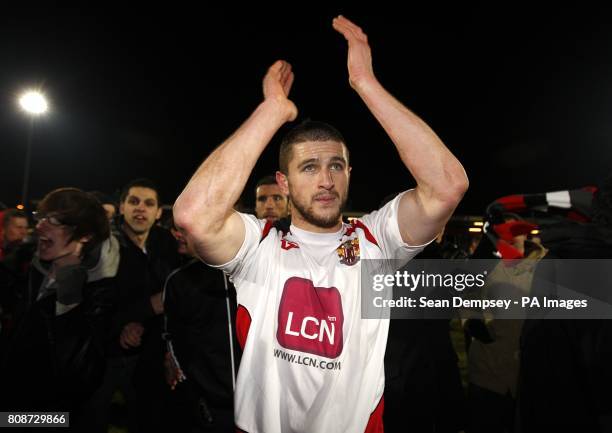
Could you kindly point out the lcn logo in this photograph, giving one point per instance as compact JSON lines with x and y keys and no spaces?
{"x":310,"y":319}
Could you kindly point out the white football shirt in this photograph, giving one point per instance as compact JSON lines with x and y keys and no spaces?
{"x":310,"y":362}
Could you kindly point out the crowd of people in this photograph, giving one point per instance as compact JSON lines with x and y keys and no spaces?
{"x":100,"y":297}
{"x":218,"y":320}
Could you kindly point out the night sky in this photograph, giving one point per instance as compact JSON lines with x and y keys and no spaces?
{"x":522,"y":97}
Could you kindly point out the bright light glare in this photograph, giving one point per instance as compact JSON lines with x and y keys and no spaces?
{"x":33,"y":102}
{"x":475,"y":230}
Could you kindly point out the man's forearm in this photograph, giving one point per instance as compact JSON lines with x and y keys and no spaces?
{"x":217,"y":184}
{"x":433,"y":166}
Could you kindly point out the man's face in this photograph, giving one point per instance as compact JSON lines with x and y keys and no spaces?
{"x":270,"y":202}
{"x":140,"y":209}
{"x":317,"y":182}
{"x":518,"y":241}
{"x":54,"y":238}
{"x":183,"y":246}
{"x":16,"y":230}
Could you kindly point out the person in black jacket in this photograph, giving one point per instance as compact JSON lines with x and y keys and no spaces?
{"x":16,"y":253}
{"x":202,"y":350}
{"x":56,"y":357}
{"x":135,"y":355}
{"x":566,"y":378}
{"x":423,"y":391}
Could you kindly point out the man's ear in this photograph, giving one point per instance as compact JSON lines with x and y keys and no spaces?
{"x":159,"y":213}
{"x":282,"y":182}
{"x":121,"y":208}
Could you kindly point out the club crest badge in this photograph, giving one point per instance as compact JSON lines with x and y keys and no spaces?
{"x":348,"y":252}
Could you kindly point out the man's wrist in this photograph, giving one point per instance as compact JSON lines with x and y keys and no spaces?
{"x":365,"y":85}
{"x":281,"y":108}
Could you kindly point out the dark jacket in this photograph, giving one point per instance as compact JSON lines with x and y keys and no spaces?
{"x":565,"y":377}
{"x":141,"y":275}
{"x":56,"y":355}
{"x":199,"y":329}
{"x":13,"y":277}
{"x":421,"y":371}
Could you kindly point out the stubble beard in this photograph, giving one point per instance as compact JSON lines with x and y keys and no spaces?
{"x":307,"y":211}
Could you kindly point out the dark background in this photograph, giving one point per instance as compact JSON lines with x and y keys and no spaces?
{"x":522,"y":96}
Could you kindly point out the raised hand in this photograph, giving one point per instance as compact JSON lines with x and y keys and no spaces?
{"x":277,"y":85}
{"x":359,"y":53}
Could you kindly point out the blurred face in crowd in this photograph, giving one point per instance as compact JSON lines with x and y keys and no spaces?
{"x":16,"y":230}
{"x":54,"y":237}
{"x":183,"y":246}
{"x":110,"y":210}
{"x":270,"y":202}
{"x":518,"y":241}
{"x":140,"y":209}
{"x":317,"y":184}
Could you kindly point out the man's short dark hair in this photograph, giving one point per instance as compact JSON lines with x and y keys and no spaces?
{"x":267,"y":180}
{"x":140,"y":183}
{"x":9,"y":214}
{"x":308,"y":130}
{"x":79,"y":210}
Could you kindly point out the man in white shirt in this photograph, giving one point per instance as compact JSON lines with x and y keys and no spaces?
{"x":310,"y":362}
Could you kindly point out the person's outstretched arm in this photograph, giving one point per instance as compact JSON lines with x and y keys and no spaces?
{"x":441,"y":179}
{"x":204,"y":210}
